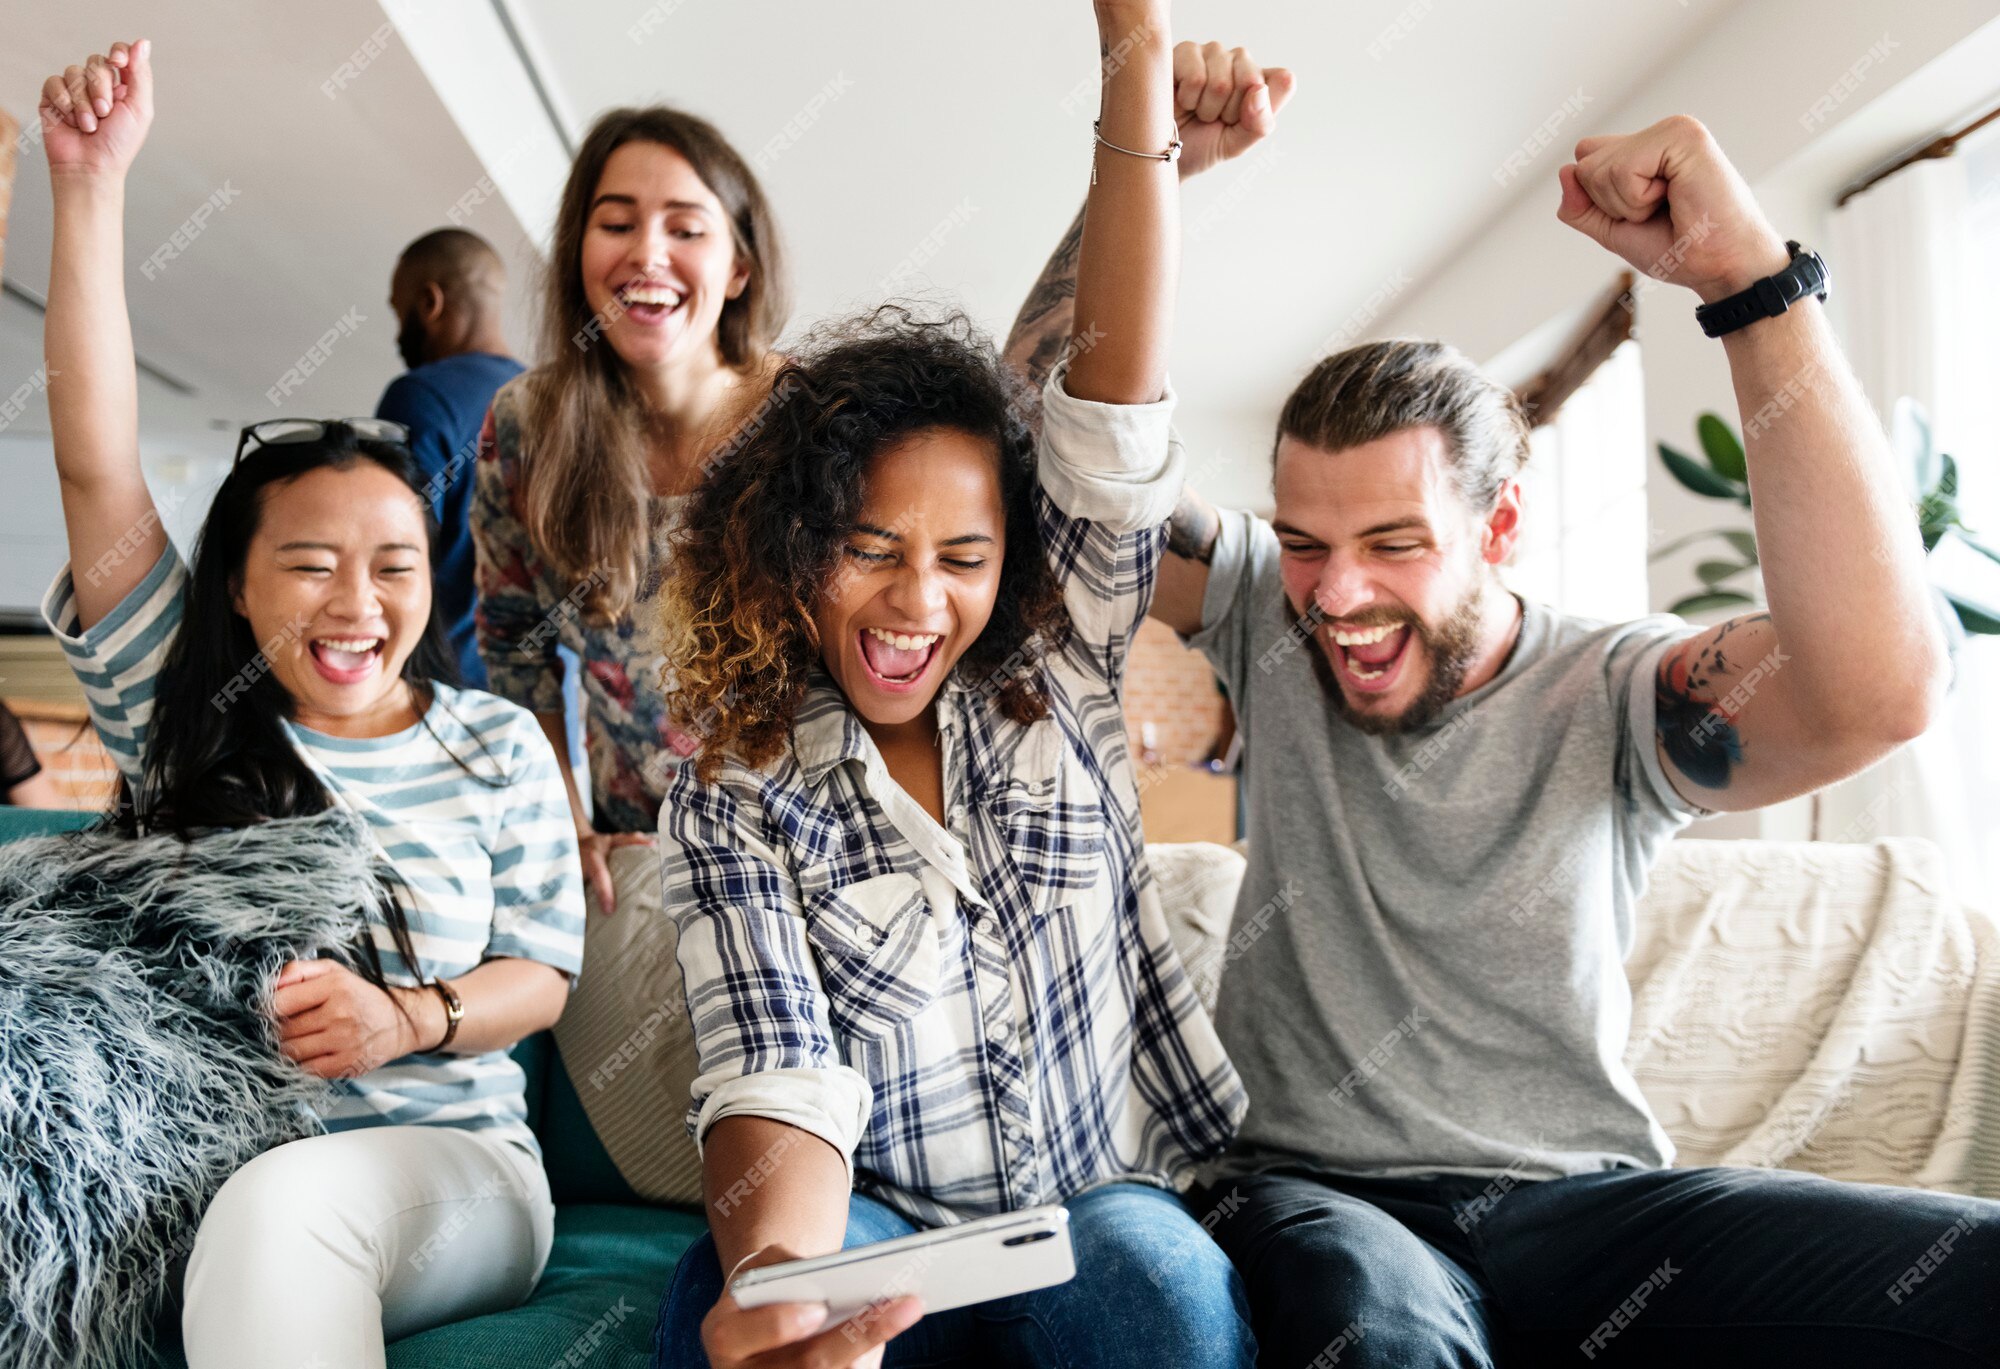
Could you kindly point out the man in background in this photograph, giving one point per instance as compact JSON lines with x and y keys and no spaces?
{"x":447,"y":292}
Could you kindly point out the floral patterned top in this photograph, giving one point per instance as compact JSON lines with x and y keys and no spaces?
{"x":526,"y":609}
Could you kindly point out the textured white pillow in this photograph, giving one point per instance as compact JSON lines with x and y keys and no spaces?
{"x":1198,"y":881}
{"x":625,"y":1038}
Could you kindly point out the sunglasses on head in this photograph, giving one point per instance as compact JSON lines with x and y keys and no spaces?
{"x":281,"y":432}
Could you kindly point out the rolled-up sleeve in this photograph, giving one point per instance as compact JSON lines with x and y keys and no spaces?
{"x":762,"y":1035}
{"x":1117,"y":465}
{"x":1110,"y":477}
{"x":117,"y":660}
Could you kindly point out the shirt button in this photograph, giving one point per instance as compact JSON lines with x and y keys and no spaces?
{"x":867,"y":936}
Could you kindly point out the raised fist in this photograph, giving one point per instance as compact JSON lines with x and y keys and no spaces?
{"x":95,"y":116}
{"x":1667,"y":201}
{"x":1224,"y":103}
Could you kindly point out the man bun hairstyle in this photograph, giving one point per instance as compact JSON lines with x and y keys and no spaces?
{"x":1368,"y":392}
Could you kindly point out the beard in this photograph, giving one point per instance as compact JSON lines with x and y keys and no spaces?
{"x":1449,"y":647}
{"x":412,"y":341}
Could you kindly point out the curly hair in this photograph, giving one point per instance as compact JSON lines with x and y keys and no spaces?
{"x":761,"y":539}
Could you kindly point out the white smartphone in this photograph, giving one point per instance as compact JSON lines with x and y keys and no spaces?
{"x":951,"y":1266}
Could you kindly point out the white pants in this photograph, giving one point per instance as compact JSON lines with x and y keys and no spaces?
{"x":318,"y":1252}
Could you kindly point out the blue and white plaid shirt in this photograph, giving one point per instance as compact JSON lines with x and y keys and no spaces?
{"x":987,"y":1014}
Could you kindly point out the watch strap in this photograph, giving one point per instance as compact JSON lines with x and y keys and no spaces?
{"x":1769,"y":297}
{"x":454,"y":1012}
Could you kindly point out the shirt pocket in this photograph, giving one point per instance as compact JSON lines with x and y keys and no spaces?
{"x":1053,"y":815}
{"x":877,"y":951}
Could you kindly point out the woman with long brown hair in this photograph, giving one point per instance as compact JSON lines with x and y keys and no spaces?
{"x":665,"y":293}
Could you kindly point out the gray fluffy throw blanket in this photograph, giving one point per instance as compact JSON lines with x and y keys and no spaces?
{"x":138,"y":1063}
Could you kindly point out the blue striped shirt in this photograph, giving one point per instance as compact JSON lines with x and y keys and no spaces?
{"x":486,"y":869}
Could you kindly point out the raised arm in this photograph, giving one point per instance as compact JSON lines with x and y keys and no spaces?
{"x":1128,"y":259}
{"x":1224,"y":105}
{"x":94,"y":118}
{"x":1849,"y":661}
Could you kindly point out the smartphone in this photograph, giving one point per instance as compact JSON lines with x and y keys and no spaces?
{"x":952,"y":1266}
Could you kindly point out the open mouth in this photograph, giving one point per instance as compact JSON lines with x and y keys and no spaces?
{"x":1371,"y":659}
{"x":898,"y":661}
{"x":648,"y":303}
{"x":346,"y":660}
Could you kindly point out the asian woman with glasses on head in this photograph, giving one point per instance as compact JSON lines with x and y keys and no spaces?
{"x":293,"y":666}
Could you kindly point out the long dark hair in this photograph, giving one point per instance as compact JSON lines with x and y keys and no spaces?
{"x":217,"y":754}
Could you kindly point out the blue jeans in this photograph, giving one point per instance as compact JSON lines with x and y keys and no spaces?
{"x":1151,"y":1291}
{"x":1678,"y":1267}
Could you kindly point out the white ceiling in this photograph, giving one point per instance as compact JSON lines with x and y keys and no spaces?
{"x":1385,"y":160}
{"x":326,"y":191}
{"x":940,"y":114}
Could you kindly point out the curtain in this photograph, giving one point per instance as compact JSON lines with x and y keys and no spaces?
{"x":1898,"y":254}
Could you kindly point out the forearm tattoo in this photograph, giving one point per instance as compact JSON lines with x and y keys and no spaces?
{"x":1193,"y":528}
{"x":1696,"y":728}
{"x":1042,"y":328}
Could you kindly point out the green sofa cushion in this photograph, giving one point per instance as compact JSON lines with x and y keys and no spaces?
{"x":580,"y":1168}
{"x":19,"y":823}
{"x":595,"y":1305}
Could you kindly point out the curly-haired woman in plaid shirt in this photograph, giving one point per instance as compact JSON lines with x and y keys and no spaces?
{"x":928,"y":971}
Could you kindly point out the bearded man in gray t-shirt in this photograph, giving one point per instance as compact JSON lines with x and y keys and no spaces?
{"x":1453,"y":796}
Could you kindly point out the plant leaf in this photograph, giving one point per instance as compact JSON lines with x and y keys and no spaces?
{"x":1720,"y":445}
{"x":1717,"y":598}
{"x":1742,"y":541}
{"x":1745,"y":543}
{"x":1979,"y":547}
{"x":1976,"y":621}
{"x":1657,"y":553}
{"x":1713,"y":573}
{"x":1698,"y":477}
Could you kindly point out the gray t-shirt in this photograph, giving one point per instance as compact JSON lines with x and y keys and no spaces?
{"x":1425,"y":974}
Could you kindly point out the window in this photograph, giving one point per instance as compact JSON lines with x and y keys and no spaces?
{"x":1975,"y":439}
{"x":1583,"y":531}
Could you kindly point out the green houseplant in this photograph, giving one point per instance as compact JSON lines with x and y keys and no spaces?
{"x":1724,"y":474}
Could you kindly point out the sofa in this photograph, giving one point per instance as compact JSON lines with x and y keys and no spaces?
{"x":1815,"y":1006}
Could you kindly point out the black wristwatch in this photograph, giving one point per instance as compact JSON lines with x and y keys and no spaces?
{"x":1769,"y":297}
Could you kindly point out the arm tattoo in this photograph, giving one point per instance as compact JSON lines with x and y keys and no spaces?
{"x":1193,"y":528}
{"x":1696,"y":729}
{"x":1042,"y":328}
